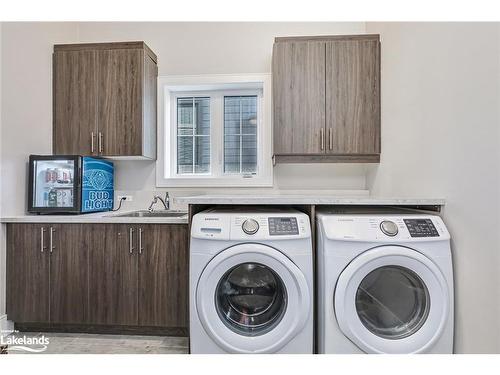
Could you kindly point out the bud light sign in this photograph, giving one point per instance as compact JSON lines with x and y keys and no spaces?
{"x":97,"y":185}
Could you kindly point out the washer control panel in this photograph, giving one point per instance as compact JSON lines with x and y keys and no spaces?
{"x":252,"y":225}
{"x":280,"y":226}
{"x":421,"y":228}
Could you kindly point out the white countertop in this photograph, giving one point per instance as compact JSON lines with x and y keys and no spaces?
{"x":307,"y":199}
{"x":100,"y":217}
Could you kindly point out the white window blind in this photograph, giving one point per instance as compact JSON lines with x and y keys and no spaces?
{"x":240,"y":134}
{"x":193,"y":135}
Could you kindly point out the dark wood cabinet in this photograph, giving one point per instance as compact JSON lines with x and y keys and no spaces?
{"x":299,"y":97}
{"x":99,"y":275}
{"x":47,"y":273}
{"x":120,"y":101}
{"x":113,"y":269}
{"x":353,"y":97}
{"x":163,"y":275}
{"x":105,"y":99}
{"x":326,"y":99}
{"x":69,"y":274}
{"x":28,"y":265}
{"x":74,"y":101}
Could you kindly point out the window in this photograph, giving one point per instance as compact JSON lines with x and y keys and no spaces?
{"x":193,"y":135}
{"x":216,"y":131}
{"x":240,"y":134}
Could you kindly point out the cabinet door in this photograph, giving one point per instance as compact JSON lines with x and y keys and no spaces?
{"x":120,"y":101}
{"x":75,"y":102}
{"x":113,"y":278}
{"x":299,"y":97}
{"x":69,"y":273}
{"x":163,"y":276}
{"x":353,"y":96}
{"x":27,"y":273}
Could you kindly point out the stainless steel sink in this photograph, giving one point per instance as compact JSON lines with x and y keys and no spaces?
{"x":159,"y":213}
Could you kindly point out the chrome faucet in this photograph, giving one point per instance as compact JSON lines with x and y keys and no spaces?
{"x":156,"y":198}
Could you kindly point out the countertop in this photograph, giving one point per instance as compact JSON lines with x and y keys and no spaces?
{"x":271,"y":199}
{"x":100,"y":217}
{"x":308,"y":199}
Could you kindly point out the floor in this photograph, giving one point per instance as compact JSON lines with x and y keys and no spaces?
{"x":83,"y":343}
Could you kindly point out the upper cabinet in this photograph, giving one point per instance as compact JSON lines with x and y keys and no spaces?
{"x":298,"y":97}
{"x":326,"y":98}
{"x":104,"y":98}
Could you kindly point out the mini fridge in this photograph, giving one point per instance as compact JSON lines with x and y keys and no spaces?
{"x":70,"y":184}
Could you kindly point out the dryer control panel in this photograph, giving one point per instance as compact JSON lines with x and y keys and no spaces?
{"x":421,"y":228}
{"x":384,"y":227}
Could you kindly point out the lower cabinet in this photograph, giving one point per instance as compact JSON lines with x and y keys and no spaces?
{"x":113,"y":276}
{"x":98,"y":274}
{"x":28,"y":277}
{"x":163,"y":276}
{"x":69,"y":273}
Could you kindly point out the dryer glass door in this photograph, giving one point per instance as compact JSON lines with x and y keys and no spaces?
{"x":392,"y":299}
{"x":392,"y":302}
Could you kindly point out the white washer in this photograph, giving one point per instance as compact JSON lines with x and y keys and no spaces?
{"x":385,"y":283}
{"x":251,"y":282}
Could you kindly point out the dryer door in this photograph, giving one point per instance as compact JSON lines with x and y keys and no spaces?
{"x":251,"y":298}
{"x":392,"y":299}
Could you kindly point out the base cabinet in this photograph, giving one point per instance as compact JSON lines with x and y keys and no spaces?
{"x":98,"y":275}
{"x":28,"y":265}
{"x":113,"y":276}
{"x":69,"y":255}
{"x":163,"y":276}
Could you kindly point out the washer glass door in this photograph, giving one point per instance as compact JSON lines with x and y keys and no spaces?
{"x":251,"y":299}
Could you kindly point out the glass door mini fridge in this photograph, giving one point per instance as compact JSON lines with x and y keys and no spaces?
{"x":70,"y":184}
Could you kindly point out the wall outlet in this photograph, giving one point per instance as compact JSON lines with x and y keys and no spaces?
{"x":128,"y":198}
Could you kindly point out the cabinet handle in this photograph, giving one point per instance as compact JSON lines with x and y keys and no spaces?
{"x":140,"y":241}
{"x":330,"y":139}
{"x":42,"y":247}
{"x":131,"y":240}
{"x":92,"y":135}
{"x":51,"y":238}
{"x":322,"y":138}
{"x":101,"y":137}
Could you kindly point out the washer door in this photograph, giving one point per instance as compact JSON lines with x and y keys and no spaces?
{"x":392,"y":299}
{"x":251,"y":298}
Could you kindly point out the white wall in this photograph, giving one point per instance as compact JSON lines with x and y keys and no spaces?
{"x":182,"y":48}
{"x":27,"y":101}
{"x":440,"y":138}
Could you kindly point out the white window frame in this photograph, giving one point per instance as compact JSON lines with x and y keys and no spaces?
{"x":217,"y":86}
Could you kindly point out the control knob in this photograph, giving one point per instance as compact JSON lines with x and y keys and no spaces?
{"x":389,"y":228}
{"x":250,"y":226}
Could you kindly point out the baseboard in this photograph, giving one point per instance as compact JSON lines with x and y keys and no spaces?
{"x":102,"y":329}
{"x":6,"y":326}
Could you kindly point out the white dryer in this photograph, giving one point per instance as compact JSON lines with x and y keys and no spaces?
{"x":385,"y":283}
{"x":251,"y":280}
